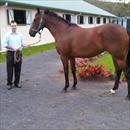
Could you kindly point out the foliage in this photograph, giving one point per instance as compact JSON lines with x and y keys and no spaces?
{"x":89,"y":70}
{"x":106,"y":60}
{"x":119,"y":9}
{"x":103,"y":63}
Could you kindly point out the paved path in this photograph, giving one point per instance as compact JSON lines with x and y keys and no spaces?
{"x":40,"y":105}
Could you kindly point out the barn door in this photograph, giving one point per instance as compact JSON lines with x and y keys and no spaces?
{"x":10,"y":13}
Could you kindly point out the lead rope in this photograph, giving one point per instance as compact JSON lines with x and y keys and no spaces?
{"x":40,"y":32}
{"x":17,"y":54}
{"x":17,"y":57}
{"x":39,"y":38}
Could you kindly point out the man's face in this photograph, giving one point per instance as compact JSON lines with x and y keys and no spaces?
{"x":14,"y":27}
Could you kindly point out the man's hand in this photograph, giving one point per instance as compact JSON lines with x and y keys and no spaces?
{"x":15,"y":49}
{"x":11,"y":47}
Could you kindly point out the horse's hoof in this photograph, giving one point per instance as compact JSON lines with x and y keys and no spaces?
{"x":74,"y":88}
{"x":112,"y":91}
{"x":64,"y":90}
{"x":128,"y":97}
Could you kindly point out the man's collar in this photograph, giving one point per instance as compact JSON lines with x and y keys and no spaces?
{"x":14,"y":32}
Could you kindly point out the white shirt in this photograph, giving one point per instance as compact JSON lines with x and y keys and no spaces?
{"x":14,"y":39}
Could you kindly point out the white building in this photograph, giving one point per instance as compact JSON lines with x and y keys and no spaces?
{"x":76,"y":11}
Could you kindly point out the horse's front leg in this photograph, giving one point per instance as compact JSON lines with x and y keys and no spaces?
{"x":73,"y":69}
{"x":65,"y":60}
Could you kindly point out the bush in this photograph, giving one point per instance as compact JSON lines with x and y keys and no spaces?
{"x":88,"y":70}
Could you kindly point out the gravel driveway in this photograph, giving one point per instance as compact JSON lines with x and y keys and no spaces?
{"x":40,"y":105}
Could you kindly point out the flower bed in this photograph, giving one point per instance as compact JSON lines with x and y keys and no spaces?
{"x":88,"y":70}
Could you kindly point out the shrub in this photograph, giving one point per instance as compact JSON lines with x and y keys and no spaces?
{"x":88,"y":70}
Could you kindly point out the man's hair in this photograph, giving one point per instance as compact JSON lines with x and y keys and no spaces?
{"x":13,"y":21}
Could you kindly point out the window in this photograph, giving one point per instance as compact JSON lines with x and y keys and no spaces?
{"x":114,"y":21}
{"x":20,"y":16}
{"x":98,"y":20}
{"x":109,"y":20}
{"x":104,"y":20}
{"x":90,"y":20}
{"x":67,"y":17}
{"x":80,"y":19}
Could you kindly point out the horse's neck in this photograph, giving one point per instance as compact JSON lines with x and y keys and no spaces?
{"x":56,"y":28}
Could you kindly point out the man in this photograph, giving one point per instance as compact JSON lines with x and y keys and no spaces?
{"x":13,"y":41}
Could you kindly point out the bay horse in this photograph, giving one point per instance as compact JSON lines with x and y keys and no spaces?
{"x":73,"y":41}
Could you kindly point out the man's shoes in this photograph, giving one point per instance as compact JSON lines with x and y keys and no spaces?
{"x":9,"y":87}
{"x":17,"y":86}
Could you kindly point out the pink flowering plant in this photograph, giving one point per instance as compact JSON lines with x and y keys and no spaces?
{"x":88,"y":70}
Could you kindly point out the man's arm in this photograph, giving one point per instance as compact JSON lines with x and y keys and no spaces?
{"x":5,"y":42}
{"x":22,"y":42}
{"x":10,"y":47}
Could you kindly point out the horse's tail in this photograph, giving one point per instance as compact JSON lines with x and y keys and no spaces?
{"x":128,"y":55}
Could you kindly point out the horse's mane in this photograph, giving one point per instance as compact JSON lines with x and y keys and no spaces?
{"x":48,"y":12}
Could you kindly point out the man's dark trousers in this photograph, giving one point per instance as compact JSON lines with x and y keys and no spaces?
{"x":13,"y":67}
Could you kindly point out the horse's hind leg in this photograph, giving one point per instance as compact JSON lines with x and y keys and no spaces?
{"x":127,"y":74}
{"x":126,"y":69}
{"x":118,"y":71}
{"x":66,"y":71}
{"x":122,"y":65}
{"x":73,"y":69}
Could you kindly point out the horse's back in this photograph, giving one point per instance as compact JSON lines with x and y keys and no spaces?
{"x":89,"y":42}
{"x":114,"y":39}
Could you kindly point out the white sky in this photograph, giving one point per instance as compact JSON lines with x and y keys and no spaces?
{"x":126,"y":1}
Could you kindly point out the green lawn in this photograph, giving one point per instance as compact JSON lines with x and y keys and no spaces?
{"x":31,"y":50}
{"x":106,"y":60}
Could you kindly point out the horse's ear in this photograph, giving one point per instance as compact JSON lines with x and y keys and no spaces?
{"x":38,"y":10}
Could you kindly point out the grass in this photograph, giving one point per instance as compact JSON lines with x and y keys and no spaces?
{"x":107,"y":61}
{"x":30,"y":51}
{"x":2,"y":57}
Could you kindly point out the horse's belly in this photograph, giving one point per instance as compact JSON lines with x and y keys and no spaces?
{"x":86,"y":54}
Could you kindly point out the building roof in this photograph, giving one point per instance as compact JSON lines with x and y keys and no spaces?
{"x":77,"y":6}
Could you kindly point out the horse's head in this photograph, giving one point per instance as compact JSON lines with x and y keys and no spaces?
{"x":37,"y":24}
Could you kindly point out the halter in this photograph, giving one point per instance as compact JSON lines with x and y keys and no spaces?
{"x":40,"y":32}
{"x":40,"y":27}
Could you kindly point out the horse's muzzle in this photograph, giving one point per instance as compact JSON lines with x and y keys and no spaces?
{"x":32,"y":33}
